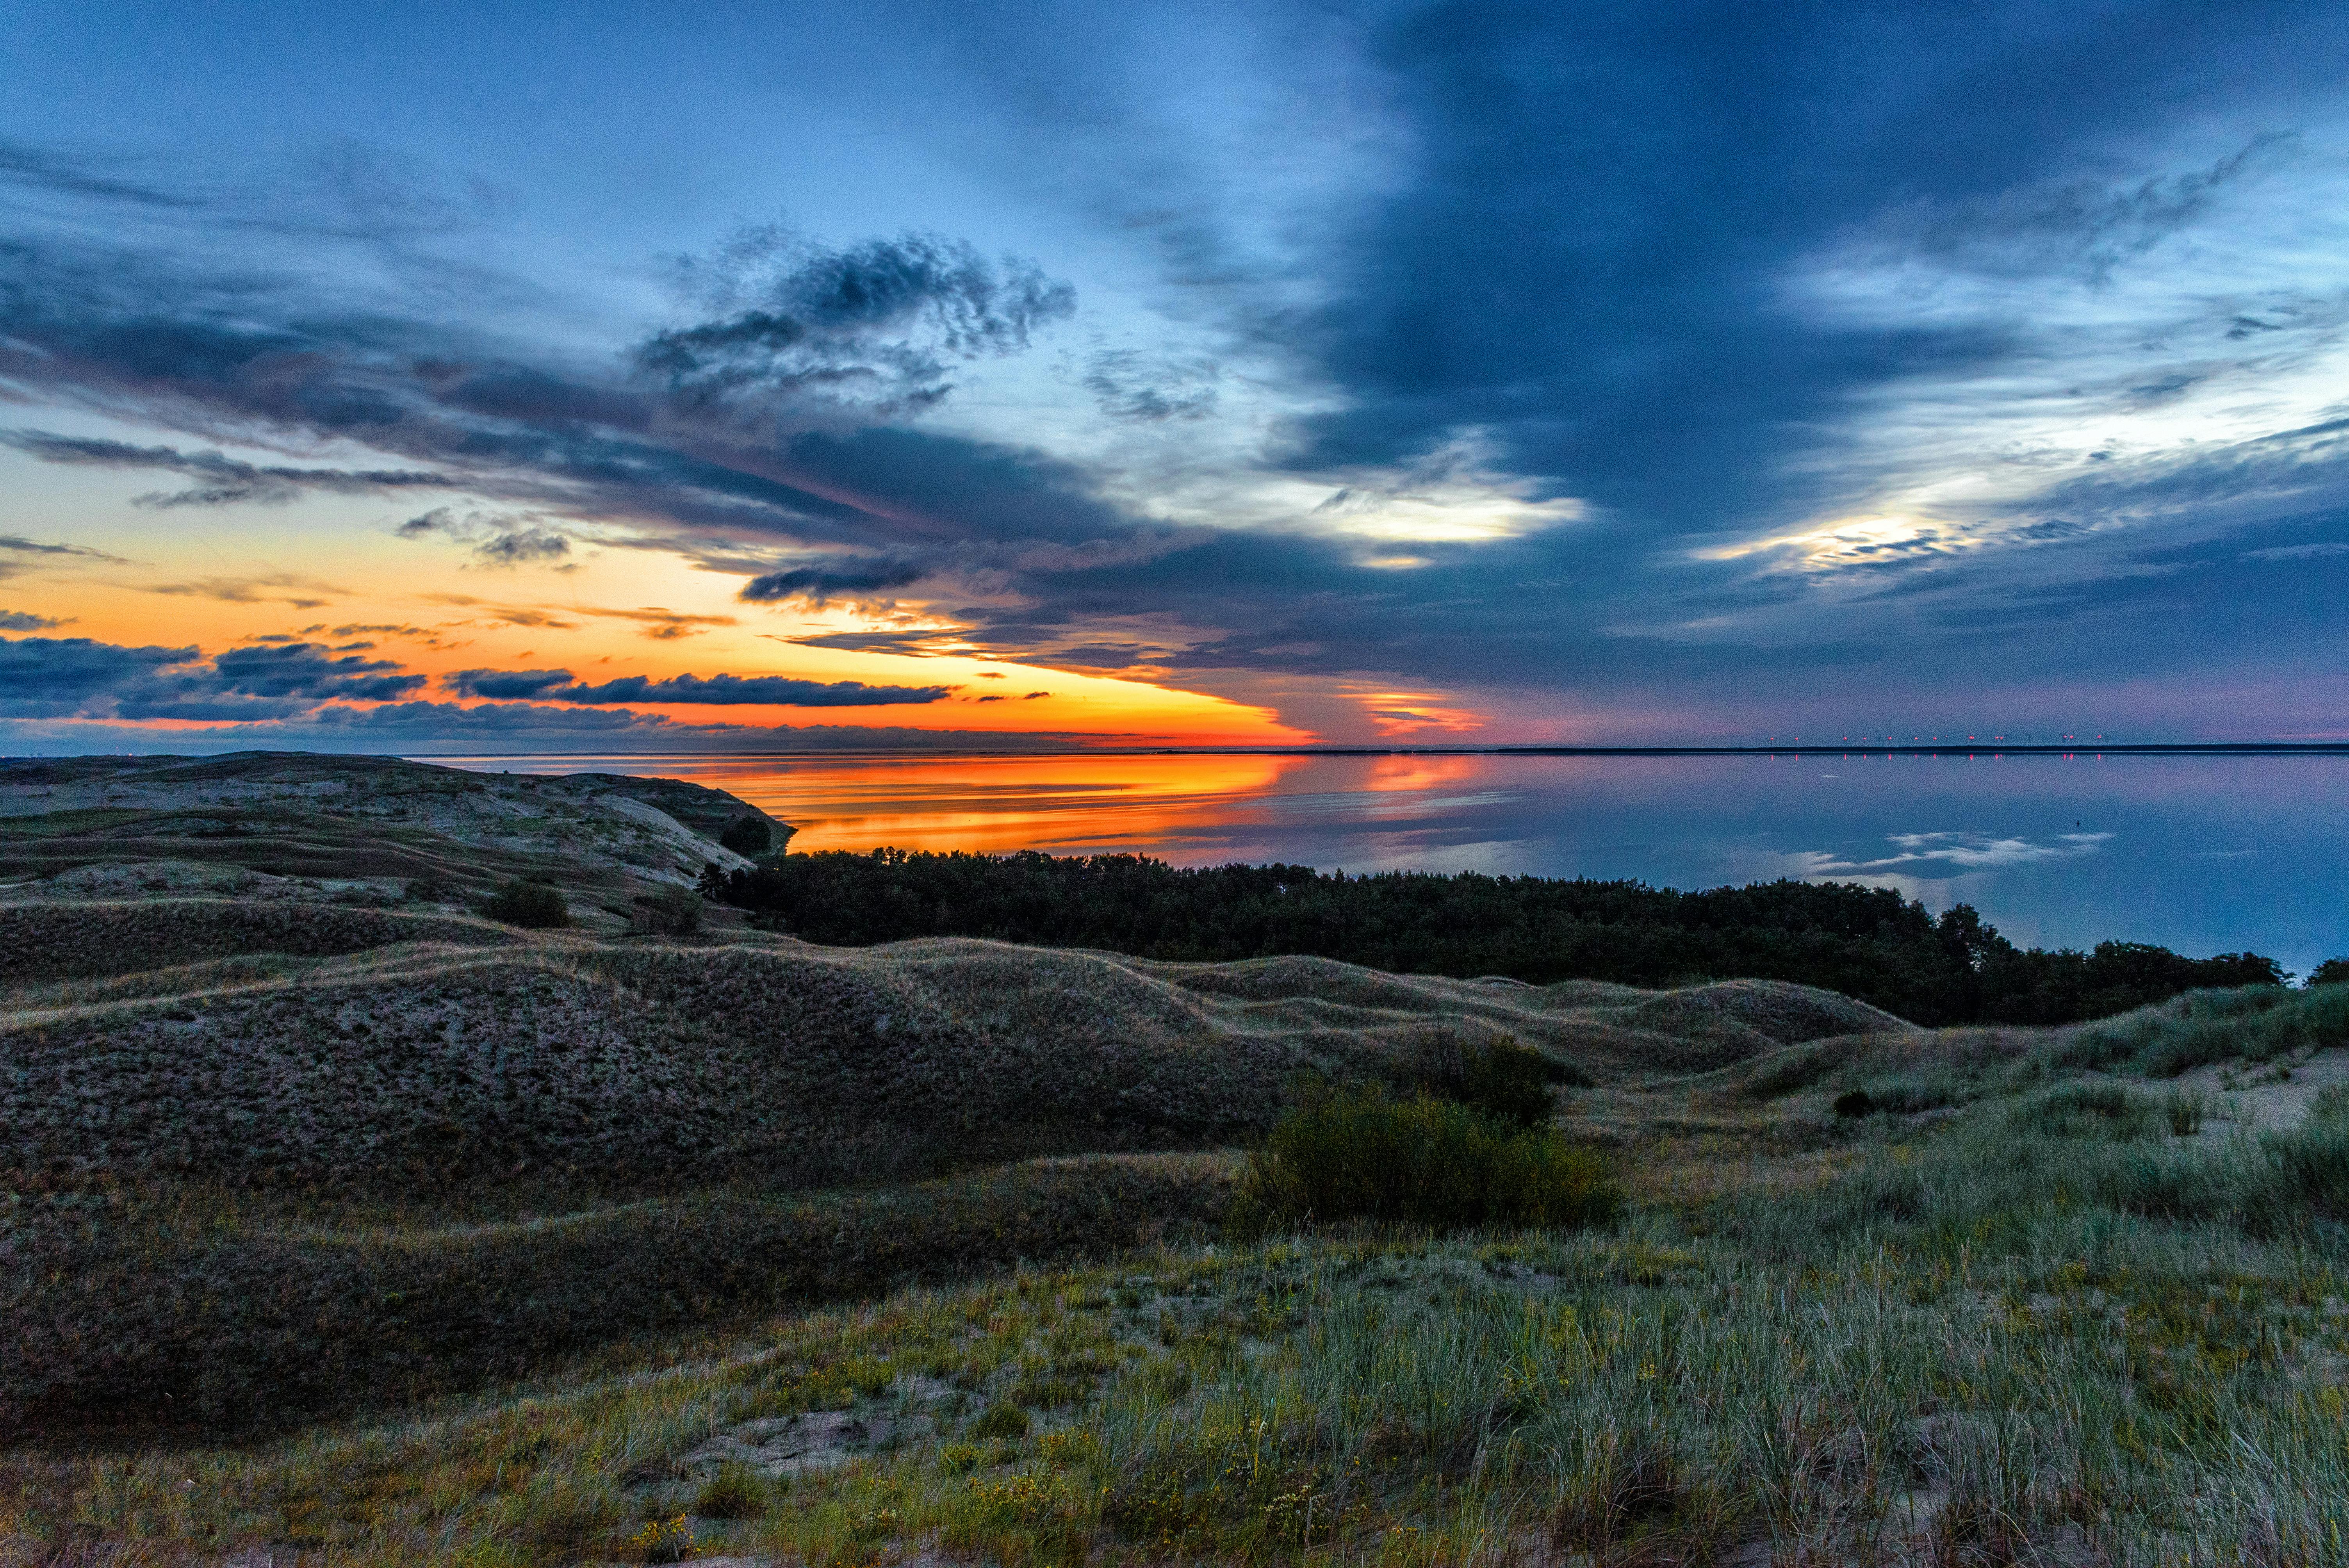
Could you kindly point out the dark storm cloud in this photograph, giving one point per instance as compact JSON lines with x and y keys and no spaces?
{"x":817,"y":584}
{"x":722,"y":690}
{"x":311,"y":670}
{"x":46,"y":677}
{"x":876,"y":324}
{"x":1586,"y":264}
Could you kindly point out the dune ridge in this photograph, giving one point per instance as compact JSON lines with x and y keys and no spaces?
{"x":385,"y":1048}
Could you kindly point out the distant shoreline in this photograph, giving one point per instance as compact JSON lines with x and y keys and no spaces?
{"x":1975,"y":749}
{"x":2189,"y":748}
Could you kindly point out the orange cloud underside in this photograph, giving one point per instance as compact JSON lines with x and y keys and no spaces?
{"x":616,"y":613}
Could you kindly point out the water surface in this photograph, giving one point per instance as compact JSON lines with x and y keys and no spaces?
{"x":2202,"y":853}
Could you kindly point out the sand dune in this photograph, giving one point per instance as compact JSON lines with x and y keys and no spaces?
{"x":377,"y":1047}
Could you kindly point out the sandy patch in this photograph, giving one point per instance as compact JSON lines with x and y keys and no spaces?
{"x":2248,"y":1096}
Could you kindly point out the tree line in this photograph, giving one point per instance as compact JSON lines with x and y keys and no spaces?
{"x":1867,"y":943}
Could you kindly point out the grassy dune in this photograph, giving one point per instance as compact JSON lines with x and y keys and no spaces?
{"x":311,"y":1179}
{"x":421,"y":1064}
{"x":2000,"y":1335}
{"x":355,"y":1235}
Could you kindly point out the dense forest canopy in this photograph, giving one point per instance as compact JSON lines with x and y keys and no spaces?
{"x":1867,"y":943}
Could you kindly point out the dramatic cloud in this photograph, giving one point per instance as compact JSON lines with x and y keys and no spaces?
{"x":818,"y":583}
{"x":1581,"y":370}
{"x":307,"y":669}
{"x":876,"y":325}
{"x":226,"y":480}
{"x":1126,"y":385}
{"x":43,"y":678}
{"x":496,"y":539}
{"x":780,"y":691}
{"x":26,"y":621}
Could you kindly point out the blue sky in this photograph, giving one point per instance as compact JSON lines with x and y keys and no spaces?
{"x":525,"y":375}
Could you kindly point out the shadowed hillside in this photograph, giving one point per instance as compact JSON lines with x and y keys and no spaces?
{"x":343,"y":1224}
{"x":359,"y":830}
{"x":450,"y":1050}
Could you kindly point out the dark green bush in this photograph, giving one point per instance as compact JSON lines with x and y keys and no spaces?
{"x":534,"y":905}
{"x":671,"y":911}
{"x":1423,"y":1160}
{"x":1855,"y":1102}
{"x":1500,"y":1078}
{"x":2332,"y":972}
{"x":748,"y":836}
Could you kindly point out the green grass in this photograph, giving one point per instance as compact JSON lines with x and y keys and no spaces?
{"x":197,"y":1312}
{"x":1973,"y":1349}
{"x":2258,"y":1023}
{"x":2017,"y":1306}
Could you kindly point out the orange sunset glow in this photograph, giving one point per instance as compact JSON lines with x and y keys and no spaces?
{"x":605,"y":611}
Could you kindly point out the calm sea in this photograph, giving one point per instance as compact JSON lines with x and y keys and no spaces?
{"x":2200,"y":853}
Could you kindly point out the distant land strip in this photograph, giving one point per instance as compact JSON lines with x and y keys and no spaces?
{"x":1963,"y":749}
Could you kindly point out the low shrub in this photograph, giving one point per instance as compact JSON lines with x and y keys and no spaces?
{"x":534,"y":906}
{"x":748,"y":836}
{"x":1425,"y":1161}
{"x":671,"y":911}
{"x":664,"y":1540}
{"x":1501,"y":1079}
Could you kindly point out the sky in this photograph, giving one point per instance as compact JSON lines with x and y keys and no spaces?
{"x":713,"y":376}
